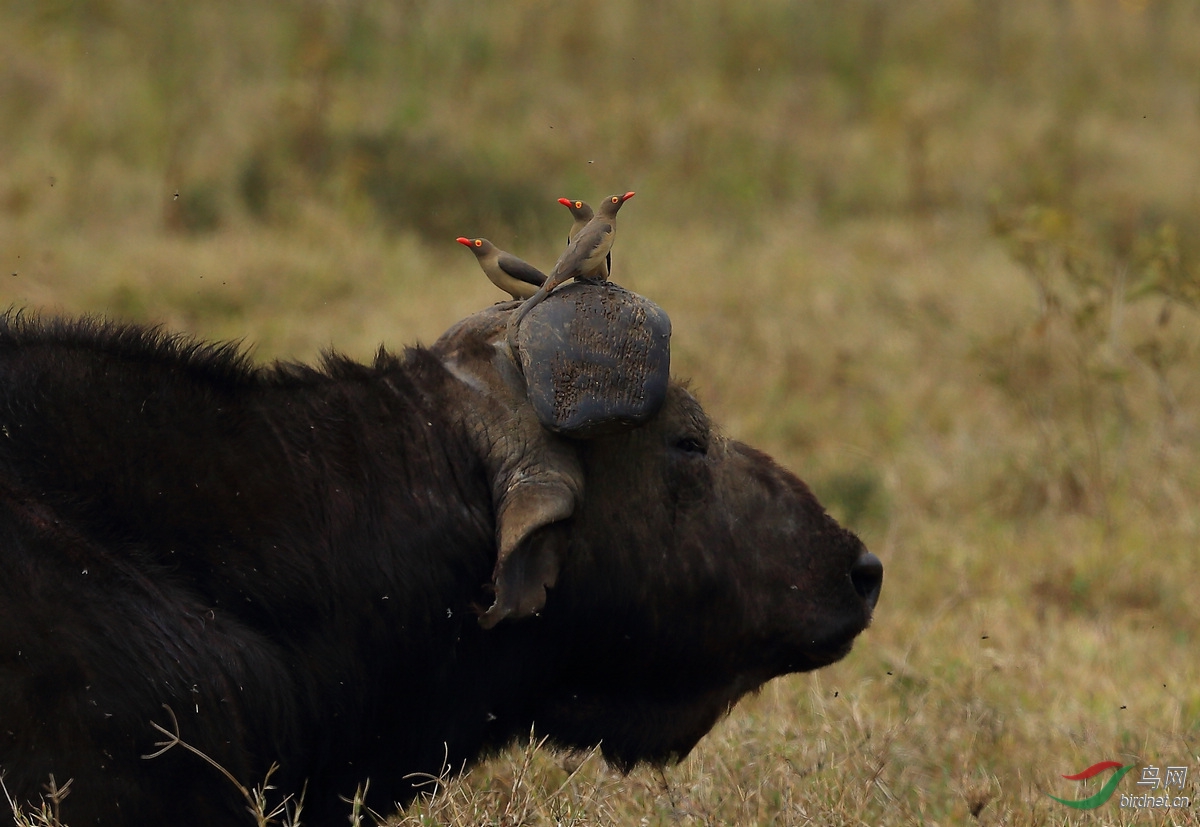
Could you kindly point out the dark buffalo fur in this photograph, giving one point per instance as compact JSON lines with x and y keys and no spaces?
{"x":294,"y":560}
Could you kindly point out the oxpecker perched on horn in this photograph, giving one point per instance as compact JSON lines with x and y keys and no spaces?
{"x":585,"y":257}
{"x":581,"y":211}
{"x":518,"y":278}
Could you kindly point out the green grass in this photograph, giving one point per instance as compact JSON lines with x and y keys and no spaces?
{"x":943,"y":260}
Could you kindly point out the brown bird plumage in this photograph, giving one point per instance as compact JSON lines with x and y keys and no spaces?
{"x":581,"y":211}
{"x":585,"y":257}
{"x":518,"y":278}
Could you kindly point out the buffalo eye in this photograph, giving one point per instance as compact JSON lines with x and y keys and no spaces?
{"x":691,"y":445}
{"x":688,"y":473}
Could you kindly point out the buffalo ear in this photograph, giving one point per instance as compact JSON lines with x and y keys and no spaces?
{"x":531,"y":539}
{"x":589,"y":360}
{"x":536,"y":477}
{"x":596,"y":359}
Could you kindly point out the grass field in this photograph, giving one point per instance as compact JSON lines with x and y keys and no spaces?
{"x":944,"y":262}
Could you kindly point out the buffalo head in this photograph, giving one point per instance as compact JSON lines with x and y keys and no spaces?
{"x":664,"y":569}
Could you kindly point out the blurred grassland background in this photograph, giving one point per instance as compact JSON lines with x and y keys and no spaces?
{"x":941,"y":258}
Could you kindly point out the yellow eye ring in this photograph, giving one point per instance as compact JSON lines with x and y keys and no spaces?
{"x":479,"y":242}
{"x":578,"y":204}
{"x":615,"y":199}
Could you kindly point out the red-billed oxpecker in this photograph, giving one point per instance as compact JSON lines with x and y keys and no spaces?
{"x":581,"y":211}
{"x":518,"y":278}
{"x":585,"y":257}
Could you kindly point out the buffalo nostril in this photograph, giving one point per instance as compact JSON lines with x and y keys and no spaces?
{"x":867,"y":576}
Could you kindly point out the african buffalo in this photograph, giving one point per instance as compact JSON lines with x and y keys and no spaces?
{"x":358,"y":571}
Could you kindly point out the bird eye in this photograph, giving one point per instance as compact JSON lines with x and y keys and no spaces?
{"x":479,"y":242}
{"x":578,"y":204}
{"x":615,"y":199}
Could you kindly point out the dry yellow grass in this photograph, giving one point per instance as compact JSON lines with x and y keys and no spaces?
{"x":943,"y":262}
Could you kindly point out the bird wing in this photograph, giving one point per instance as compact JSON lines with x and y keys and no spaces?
{"x":581,"y":249}
{"x":522,"y":271}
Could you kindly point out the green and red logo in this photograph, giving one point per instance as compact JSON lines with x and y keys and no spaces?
{"x":1104,"y":793}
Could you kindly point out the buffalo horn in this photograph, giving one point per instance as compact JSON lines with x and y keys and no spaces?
{"x":596,"y":359}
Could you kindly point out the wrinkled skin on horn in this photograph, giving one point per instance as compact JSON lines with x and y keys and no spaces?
{"x":596,"y":359}
{"x":662,"y":572}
